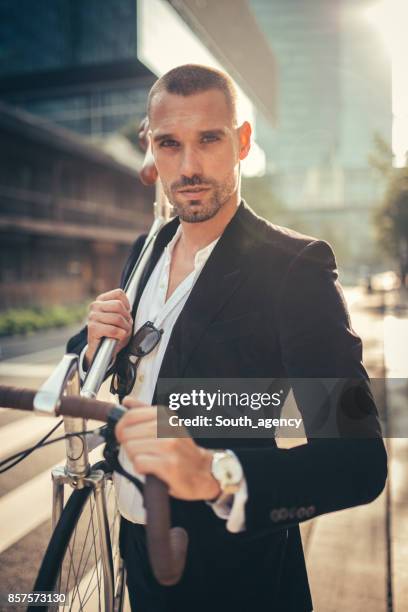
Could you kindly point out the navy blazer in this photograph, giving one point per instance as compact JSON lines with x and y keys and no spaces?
{"x":267,"y":304}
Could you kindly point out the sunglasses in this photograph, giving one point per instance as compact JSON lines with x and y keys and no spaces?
{"x":143,"y":342}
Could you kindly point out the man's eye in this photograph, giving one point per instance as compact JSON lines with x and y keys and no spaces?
{"x":209,"y":138}
{"x":169,"y":143}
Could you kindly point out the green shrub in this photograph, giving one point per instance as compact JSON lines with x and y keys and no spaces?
{"x":26,"y":320}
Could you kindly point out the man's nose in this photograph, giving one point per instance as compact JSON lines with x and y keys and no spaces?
{"x":190,"y":163}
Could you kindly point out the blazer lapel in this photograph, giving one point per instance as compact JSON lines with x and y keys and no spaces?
{"x":223,"y":273}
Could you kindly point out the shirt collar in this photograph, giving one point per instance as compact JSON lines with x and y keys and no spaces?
{"x":200,"y":257}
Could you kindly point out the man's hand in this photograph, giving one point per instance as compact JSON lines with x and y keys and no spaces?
{"x":179,"y":462}
{"x":109,"y":317}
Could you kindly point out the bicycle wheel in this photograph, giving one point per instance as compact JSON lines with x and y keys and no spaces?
{"x":74,"y":560}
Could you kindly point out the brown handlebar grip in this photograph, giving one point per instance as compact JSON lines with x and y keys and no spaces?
{"x":167,"y":546}
{"x":13,"y":397}
{"x":77,"y":406}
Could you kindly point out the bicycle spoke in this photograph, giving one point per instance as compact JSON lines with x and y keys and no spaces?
{"x":76,"y":586}
{"x":85,"y":543}
{"x":70,"y":552}
{"x":71,"y":566}
{"x":113,"y":530}
{"x":96,"y":559}
{"x":97,"y":576}
{"x":90,"y":595}
{"x":77,"y":575}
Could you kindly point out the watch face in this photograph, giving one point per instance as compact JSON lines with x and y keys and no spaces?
{"x":227,"y":470}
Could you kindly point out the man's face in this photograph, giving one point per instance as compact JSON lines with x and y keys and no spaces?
{"x":196,"y":148}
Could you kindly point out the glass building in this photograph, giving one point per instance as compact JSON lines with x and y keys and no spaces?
{"x":73,"y":62}
{"x":334,"y":95}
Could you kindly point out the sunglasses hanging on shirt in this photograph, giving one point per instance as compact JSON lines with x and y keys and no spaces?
{"x":143,"y":342}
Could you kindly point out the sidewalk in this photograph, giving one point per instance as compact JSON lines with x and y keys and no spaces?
{"x":16,"y":346}
{"x":394,"y":301}
{"x":358,"y":558}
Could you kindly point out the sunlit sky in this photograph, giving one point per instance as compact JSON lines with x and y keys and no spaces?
{"x":390,"y":18}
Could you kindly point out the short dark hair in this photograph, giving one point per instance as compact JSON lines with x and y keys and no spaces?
{"x":190,"y":79}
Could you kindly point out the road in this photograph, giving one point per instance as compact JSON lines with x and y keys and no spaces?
{"x":25,"y":491}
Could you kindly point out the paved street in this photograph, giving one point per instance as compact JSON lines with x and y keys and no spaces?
{"x":357,"y":559}
{"x":25,"y":490}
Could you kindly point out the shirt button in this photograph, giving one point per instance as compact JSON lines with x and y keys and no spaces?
{"x":141,"y":377}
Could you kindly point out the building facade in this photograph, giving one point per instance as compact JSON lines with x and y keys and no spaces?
{"x":69,"y":80}
{"x":334,"y":96}
{"x":73,"y":63}
{"x":68,"y":214}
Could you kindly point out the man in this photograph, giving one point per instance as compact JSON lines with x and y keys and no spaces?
{"x":236,"y":297}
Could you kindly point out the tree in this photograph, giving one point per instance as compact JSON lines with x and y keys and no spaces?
{"x":259,"y":192}
{"x":391,"y":218}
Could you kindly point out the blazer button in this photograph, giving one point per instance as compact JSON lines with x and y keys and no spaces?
{"x":301,"y":512}
{"x":284,"y":514}
{"x":274,"y":516}
{"x":292,"y":513}
{"x":310,"y":511}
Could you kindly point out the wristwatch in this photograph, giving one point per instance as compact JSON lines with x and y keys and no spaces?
{"x":227,"y":470}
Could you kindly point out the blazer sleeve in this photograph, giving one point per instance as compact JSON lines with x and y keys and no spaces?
{"x":288,"y":486}
{"x":77,"y":342}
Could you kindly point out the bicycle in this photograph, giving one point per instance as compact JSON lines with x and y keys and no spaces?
{"x":93,"y":489}
{"x":82,"y":560}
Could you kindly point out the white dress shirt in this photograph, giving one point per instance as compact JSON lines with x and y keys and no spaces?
{"x":163,"y":314}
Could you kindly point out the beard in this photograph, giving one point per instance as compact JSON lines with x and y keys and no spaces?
{"x":205,"y":207}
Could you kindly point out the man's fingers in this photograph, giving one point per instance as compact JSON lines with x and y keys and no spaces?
{"x":112,"y":306}
{"x":96,"y":331}
{"x":138,"y":414}
{"x":111,"y":318}
{"x":162,"y":466}
{"x":151,"y":464}
{"x":143,"y":418}
{"x":142,"y":431}
{"x":115,"y":294}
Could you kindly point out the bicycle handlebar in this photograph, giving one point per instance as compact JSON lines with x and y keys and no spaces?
{"x":167,"y":546}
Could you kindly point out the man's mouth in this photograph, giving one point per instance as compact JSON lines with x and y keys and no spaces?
{"x":193,"y":192}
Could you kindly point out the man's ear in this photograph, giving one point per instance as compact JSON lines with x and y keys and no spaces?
{"x":244,"y":135}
